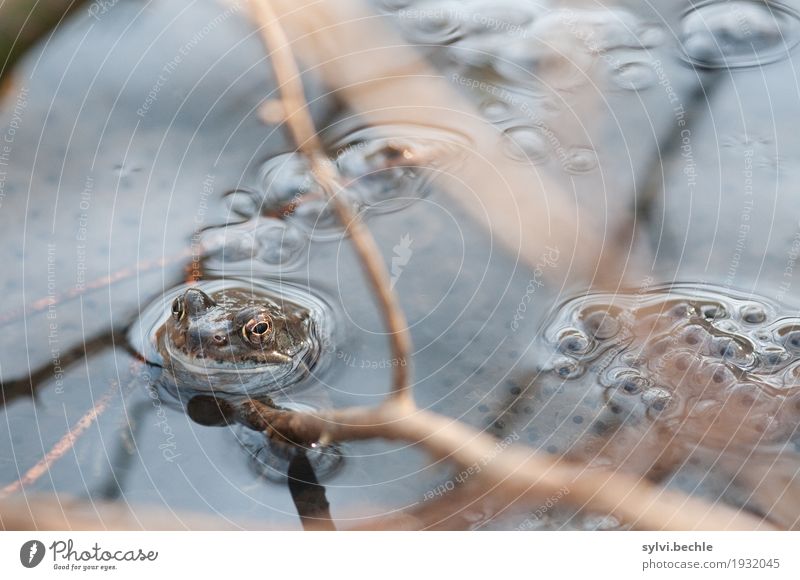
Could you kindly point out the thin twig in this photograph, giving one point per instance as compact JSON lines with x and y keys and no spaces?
{"x":63,"y":445}
{"x":42,"y":304}
{"x":301,"y":125}
{"x":518,"y":473}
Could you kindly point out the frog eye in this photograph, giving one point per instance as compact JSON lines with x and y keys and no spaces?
{"x":258,"y":329}
{"x":177,"y":308}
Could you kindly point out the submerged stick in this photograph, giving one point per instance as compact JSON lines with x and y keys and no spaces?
{"x":63,"y":445}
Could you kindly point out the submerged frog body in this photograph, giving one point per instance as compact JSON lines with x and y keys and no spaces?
{"x":235,"y":337}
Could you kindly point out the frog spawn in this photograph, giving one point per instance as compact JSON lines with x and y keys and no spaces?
{"x":737,"y":34}
{"x":639,"y":380}
{"x":533,"y":45}
{"x":531,"y":55}
{"x":380,"y":169}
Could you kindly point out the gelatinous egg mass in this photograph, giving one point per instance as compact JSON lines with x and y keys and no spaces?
{"x":739,"y":33}
{"x":637,"y":379}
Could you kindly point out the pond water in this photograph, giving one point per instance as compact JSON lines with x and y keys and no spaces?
{"x":135,"y":159}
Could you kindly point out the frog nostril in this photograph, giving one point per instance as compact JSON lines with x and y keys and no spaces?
{"x":220,"y":339}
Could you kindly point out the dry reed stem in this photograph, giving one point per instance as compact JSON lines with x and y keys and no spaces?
{"x":517,"y":473}
{"x":301,"y":126}
{"x":385,"y":80}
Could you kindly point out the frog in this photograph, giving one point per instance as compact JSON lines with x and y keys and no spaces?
{"x":237,"y":339}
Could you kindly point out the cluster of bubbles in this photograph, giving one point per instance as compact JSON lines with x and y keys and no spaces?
{"x":379,"y":169}
{"x":738,"y":34}
{"x":531,"y":53}
{"x":711,"y":368}
{"x":533,"y":44}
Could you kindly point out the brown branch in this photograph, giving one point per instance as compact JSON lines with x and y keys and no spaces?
{"x":370,"y":67}
{"x":301,"y":125}
{"x":518,"y":474}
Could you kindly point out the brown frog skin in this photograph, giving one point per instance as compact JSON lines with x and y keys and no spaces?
{"x":235,"y":340}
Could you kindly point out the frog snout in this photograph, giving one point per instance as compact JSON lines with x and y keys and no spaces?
{"x":196,"y":301}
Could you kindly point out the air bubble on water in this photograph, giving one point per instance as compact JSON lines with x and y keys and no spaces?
{"x":630,"y":383}
{"x":694,"y":336}
{"x":244,"y":203}
{"x":317,"y":217}
{"x":440,"y":23}
{"x":567,"y":368}
{"x":736,"y":350}
{"x":497,"y":110}
{"x":388,"y":167}
{"x":634,"y":75}
{"x":230,"y":244}
{"x":753,"y":314}
{"x":682,"y":310}
{"x":739,"y":33}
{"x":560,"y":64}
{"x":601,"y":324}
{"x":580,"y":160}
{"x":526,"y":143}
{"x":279,"y":244}
{"x":713,"y":311}
{"x":657,"y":399}
{"x":600,"y":523}
{"x":573,"y":342}
{"x":791,"y":338}
{"x":287,"y":180}
{"x":773,"y":356}
{"x":599,"y":30}
{"x":395,"y":5}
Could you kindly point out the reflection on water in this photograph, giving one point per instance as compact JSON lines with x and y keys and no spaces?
{"x":694,"y":386}
{"x":235,"y":337}
{"x":739,"y":33}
